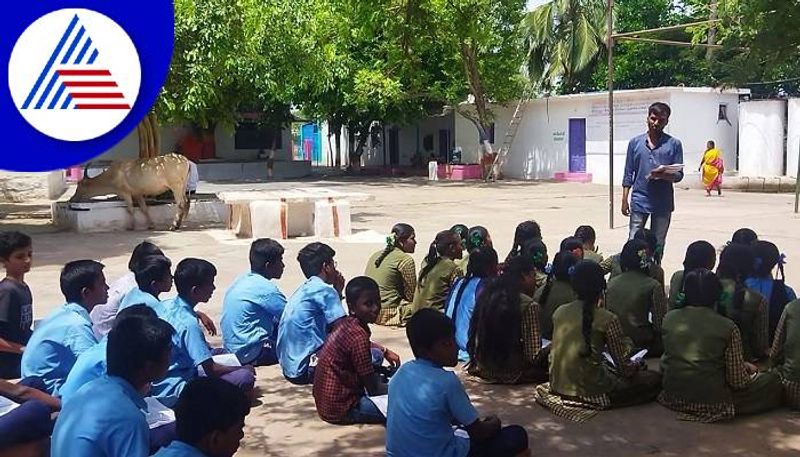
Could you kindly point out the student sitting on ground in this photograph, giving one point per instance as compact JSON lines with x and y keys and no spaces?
{"x":700,"y":254}
{"x":587,"y":235}
{"x":581,"y":381}
{"x":346,"y":373}
{"x":105,"y":416}
{"x":194,"y":280}
{"x":461,"y":230}
{"x":536,"y":250}
{"x":477,"y":237}
{"x":16,"y":301}
{"x":744,"y":306}
{"x":637,"y":299}
{"x":745,"y":236}
{"x":439,"y":272}
{"x":25,"y":430}
{"x":209,"y":418}
{"x":253,"y":306}
{"x":573,"y":245}
{"x":464,"y":294}
{"x":525,"y":231}
{"x":784,"y":358}
{"x":772,"y":286}
{"x":309,"y":313}
{"x":394,"y":270}
{"x":557,"y":291}
{"x":612,"y":264}
{"x":425,"y":399}
{"x":67,"y":332}
{"x":705,"y":377}
{"x":153,"y":278}
{"x":504,"y":337}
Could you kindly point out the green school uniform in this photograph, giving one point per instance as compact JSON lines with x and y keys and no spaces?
{"x":593,"y":256}
{"x":612,"y":265}
{"x":753,"y":321}
{"x":432,"y":290}
{"x":785,"y":356}
{"x":561,"y":293}
{"x":675,"y":288}
{"x":463,"y":262}
{"x":396,"y":278}
{"x":632,"y":296}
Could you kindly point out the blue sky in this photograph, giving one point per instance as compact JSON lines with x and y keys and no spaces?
{"x":534,"y":3}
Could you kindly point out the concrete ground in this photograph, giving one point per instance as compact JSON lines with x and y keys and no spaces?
{"x":286,"y":424}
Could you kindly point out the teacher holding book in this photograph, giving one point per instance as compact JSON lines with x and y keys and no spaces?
{"x":653,"y":163}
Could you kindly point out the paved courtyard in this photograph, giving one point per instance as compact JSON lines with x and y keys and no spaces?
{"x":286,"y":424}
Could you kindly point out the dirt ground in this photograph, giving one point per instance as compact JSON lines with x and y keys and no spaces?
{"x":286,"y":424}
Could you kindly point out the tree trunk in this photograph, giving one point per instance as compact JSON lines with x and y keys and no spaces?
{"x":330,"y":145}
{"x":155,"y":135}
{"x":336,"y":160}
{"x":140,"y":136}
{"x":712,"y":30}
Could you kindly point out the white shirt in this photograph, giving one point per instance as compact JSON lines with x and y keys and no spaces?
{"x":103,"y":315}
{"x":194,"y":177}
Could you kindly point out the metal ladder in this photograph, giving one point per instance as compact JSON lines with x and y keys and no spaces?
{"x":508,"y":140}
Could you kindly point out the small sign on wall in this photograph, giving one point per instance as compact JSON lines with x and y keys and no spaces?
{"x":558,"y":136}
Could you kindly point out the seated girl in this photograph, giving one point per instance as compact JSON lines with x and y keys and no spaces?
{"x":637,"y":299}
{"x":461,"y":301}
{"x":785,"y":355}
{"x":744,"y":306}
{"x":700,"y":254}
{"x":525,"y":231}
{"x":461,"y":230}
{"x":536,"y":250}
{"x":744,"y":236}
{"x":504,"y":337}
{"x":612,"y":264}
{"x":772,"y":286}
{"x":439,"y":272}
{"x":476,"y":237}
{"x":394,"y":270}
{"x":556,"y":292}
{"x":705,"y":377}
{"x":581,"y":380}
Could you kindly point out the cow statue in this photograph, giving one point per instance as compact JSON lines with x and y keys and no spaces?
{"x":136,"y":179}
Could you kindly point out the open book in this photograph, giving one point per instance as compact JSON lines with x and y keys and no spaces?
{"x":158,"y":414}
{"x":228,"y":360}
{"x":673,"y":169}
{"x":635,"y":358}
{"x":382,"y":402}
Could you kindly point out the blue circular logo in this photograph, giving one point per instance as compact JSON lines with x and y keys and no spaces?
{"x":81,"y":76}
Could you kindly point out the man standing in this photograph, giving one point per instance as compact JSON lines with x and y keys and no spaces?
{"x":646,"y":172}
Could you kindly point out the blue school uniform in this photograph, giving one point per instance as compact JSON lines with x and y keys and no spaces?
{"x":424,"y":400}
{"x":251,"y":311}
{"x":463,"y":314}
{"x":764,"y":287}
{"x":105,"y":419}
{"x":179,"y":449}
{"x":89,"y":366}
{"x":56,"y":344}
{"x":137,"y":296}
{"x":304,"y":324}
{"x":189,"y":350}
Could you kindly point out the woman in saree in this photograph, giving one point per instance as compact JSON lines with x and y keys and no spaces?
{"x":712,"y":169}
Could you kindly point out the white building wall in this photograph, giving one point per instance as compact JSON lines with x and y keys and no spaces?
{"x":762,"y":138}
{"x":793,"y":138}
{"x":410,"y":139}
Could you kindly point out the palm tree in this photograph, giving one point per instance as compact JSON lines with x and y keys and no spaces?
{"x":563,"y":38}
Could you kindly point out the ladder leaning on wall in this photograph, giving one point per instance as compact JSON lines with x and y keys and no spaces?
{"x":508,"y":140}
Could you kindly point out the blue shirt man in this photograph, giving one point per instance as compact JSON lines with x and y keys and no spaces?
{"x":189,"y":350}
{"x":178,"y":448}
{"x":89,"y":366}
{"x":424,"y":400}
{"x":304,"y":326}
{"x":251,"y":311}
{"x":136,"y":296}
{"x":652,"y":193}
{"x":56,"y":344}
{"x":105,"y":418}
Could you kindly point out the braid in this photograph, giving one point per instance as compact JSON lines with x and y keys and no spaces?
{"x":389,"y":248}
{"x":778,"y":300}
{"x":400,"y":232}
{"x":430,"y":261}
{"x":547,"y":286}
{"x":586,"y":328}
{"x":589,"y":283}
{"x":737,"y":303}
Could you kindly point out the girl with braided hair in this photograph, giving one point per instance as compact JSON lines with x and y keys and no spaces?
{"x":769,"y":260}
{"x":700,"y":254}
{"x":525,"y":231}
{"x":477,"y":237}
{"x":536,"y":250}
{"x":557,"y":291}
{"x":581,"y":380}
{"x":394,"y":270}
{"x":439,"y":272}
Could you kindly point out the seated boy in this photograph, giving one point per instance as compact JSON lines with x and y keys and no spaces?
{"x":425,"y":399}
{"x":16,"y":302}
{"x":314,"y":306}
{"x":67,"y":332}
{"x":345,"y":367}
{"x":105,"y":416}
{"x":92,"y":364}
{"x":25,"y":430}
{"x":210,"y":420}
{"x":153,"y":277}
{"x":253,"y":306}
{"x":194,"y":279}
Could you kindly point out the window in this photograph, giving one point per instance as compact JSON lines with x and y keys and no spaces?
{"x":249,"y":135}
{"x":722,"y":113}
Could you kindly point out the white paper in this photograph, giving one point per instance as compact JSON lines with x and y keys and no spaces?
{"x":6,"y":406}
{"x":381,"y":402}
{"x":546,"y":342}
{"x":635,"y":358}
{"x":157,"y":414}
{"x":228,"y":360}
{"x":675,"y":168}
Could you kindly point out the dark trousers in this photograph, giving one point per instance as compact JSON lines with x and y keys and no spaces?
{"x":30,"y":421}
{"x":510,"y":441}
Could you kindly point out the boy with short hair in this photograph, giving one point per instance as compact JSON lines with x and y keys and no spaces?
{"x":194,"y":279}
{"x":253,"y":306}
{"x":310,"y":311}
{"x":346,"y":362}
{"x":425,"y":399}
{"x":105,"y":416}
{"x":67,"y":332}
{"x":210,"y":420}
{"x":587,"y":235}
{"x":153,"y":277}
{"x":16,"y":301}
